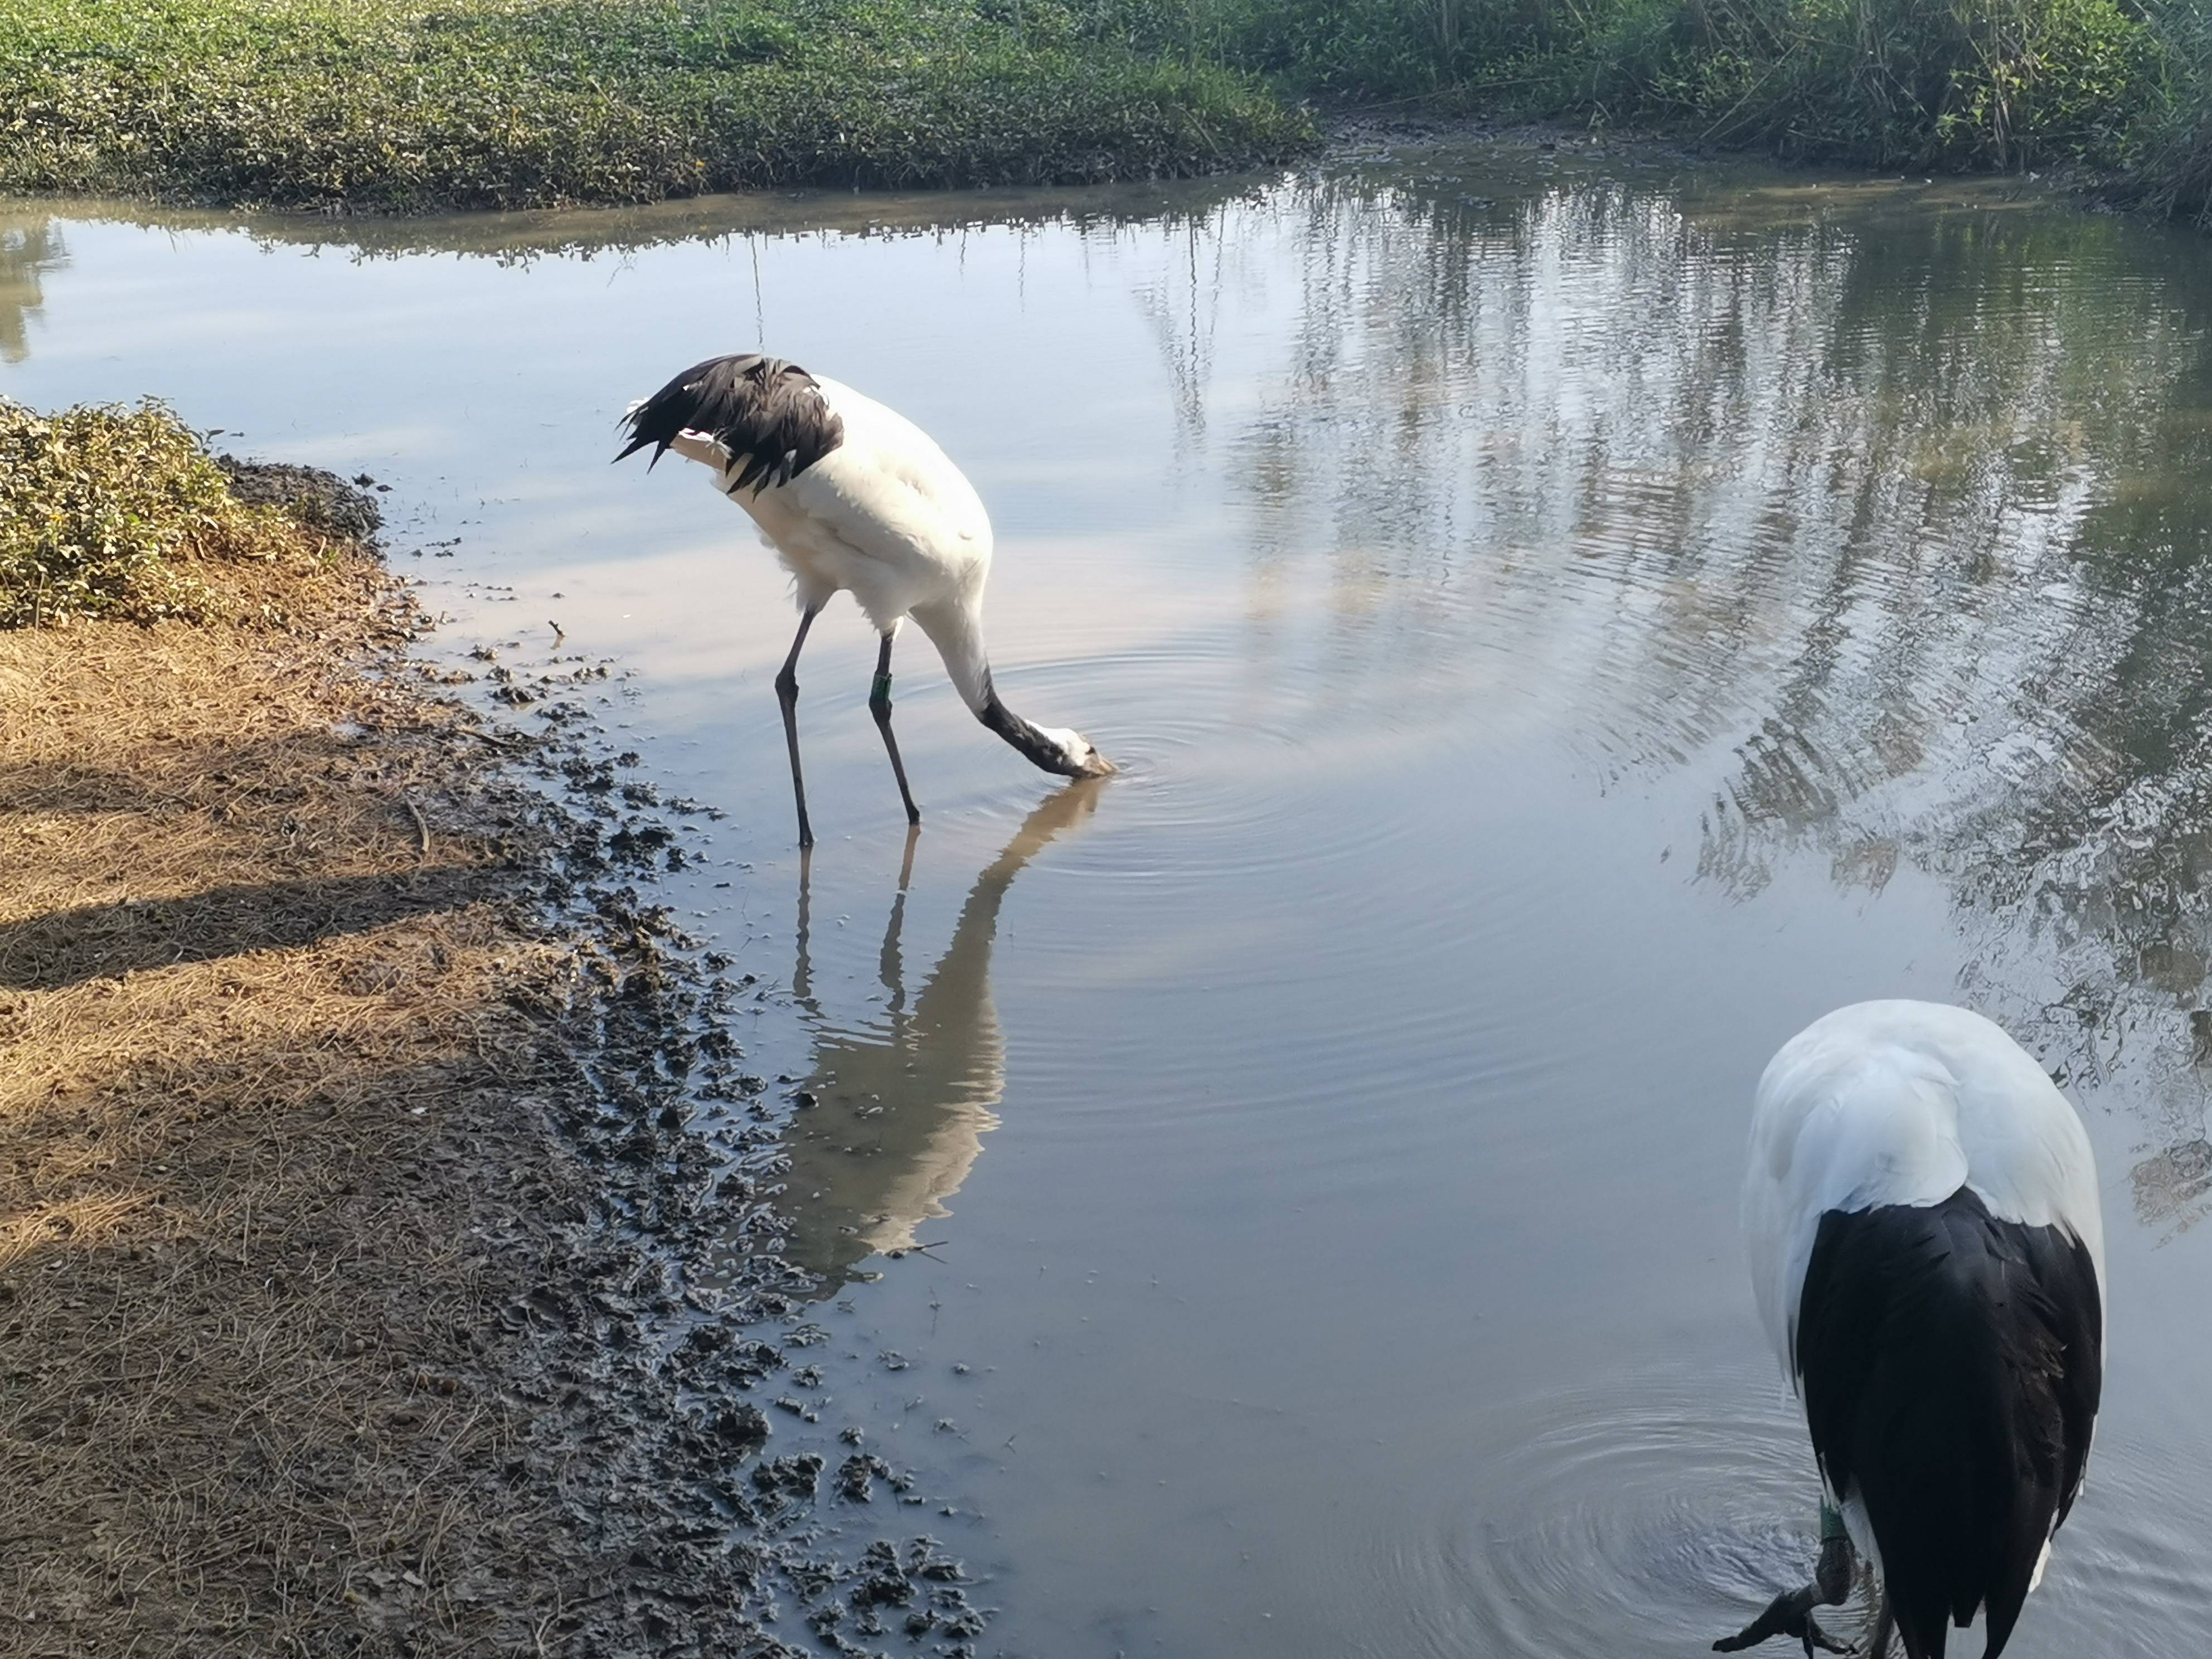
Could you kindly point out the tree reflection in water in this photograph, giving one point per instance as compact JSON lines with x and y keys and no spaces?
{"x":1892,"y":516}
{"x":30,"y":247}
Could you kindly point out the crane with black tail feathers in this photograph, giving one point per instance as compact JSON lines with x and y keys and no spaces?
{"x":1927,"y":1253}
{"x":851,"y":498}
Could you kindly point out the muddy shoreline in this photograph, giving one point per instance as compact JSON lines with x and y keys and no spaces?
{"x":1351,"y":136}
{"x":394,"y":1241}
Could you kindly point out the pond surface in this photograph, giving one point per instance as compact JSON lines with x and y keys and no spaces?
{"x":1566,"y":623}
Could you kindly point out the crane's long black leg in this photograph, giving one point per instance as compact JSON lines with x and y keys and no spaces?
{"x":880,"y":705}
{"x":1791,"y":1614}
{"x":787,"y":693}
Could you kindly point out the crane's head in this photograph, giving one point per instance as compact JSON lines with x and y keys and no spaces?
{"x":1048,"y":748}
{"x":1075,"y":757}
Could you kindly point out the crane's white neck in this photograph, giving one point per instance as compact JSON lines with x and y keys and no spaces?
{"x":957,"y":632}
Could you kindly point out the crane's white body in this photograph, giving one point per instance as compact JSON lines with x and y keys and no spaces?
{"x":854,"y":498}
{"x":885,"y":517}
{"x":1902,"y":1102}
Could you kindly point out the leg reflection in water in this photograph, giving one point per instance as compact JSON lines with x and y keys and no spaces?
{"x":902,"y":1106}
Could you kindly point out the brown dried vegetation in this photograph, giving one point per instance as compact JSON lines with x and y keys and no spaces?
{"x":273,"y":1176}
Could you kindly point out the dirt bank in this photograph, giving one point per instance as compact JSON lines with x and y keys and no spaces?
{"x":354,"y":1202}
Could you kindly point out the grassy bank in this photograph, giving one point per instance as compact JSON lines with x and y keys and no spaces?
{"x":2122,"y":85}
{"x":295,"y":1216}
{"x":396,"y":104}
{"x":393,"y":104}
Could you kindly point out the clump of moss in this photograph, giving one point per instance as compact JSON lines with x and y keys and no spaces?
{"x":121,"y":514}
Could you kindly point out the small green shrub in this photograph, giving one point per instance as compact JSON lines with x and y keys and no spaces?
{"x":2174,"y":172}
{"x":1947,"y":83}
{"x":116,"y":513}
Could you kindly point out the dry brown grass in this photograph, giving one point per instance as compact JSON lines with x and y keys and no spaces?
{"x":272,"y":1177}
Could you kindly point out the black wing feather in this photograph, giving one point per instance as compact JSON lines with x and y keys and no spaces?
{"x":769,"y":414}
{"x":1951,"y":1365}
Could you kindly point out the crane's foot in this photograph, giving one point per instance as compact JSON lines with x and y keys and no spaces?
{"x":1790,"y":1613}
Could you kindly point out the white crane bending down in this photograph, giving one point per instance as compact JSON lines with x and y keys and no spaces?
{"x":851,"y":496}
{"x":1929,"y":1258}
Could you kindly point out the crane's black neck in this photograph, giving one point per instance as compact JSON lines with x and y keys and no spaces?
{"x":1043,"y":752}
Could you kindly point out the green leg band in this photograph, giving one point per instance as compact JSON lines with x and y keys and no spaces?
{"x":1831,"y":1523}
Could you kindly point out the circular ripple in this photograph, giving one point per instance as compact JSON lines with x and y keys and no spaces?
{"x":1648,"y":1517}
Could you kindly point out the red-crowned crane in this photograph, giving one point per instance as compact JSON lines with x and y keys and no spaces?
{"x":854,"y":497}
{"x":1929,"y":1258}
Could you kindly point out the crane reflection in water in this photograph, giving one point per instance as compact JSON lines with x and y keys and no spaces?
{"x":900,"y":1109}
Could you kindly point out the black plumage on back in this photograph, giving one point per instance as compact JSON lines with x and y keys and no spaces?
{"x":1951,"y":1365}
{"x":769,"y":414}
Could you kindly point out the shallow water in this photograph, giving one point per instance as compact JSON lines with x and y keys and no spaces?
{"x":1564,"y":624}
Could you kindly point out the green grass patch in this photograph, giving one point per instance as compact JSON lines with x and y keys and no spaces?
{"x":411,"y":104}
{"x":120,"y":513}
